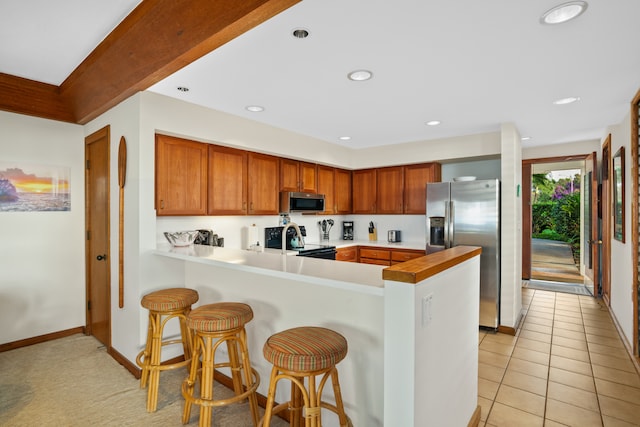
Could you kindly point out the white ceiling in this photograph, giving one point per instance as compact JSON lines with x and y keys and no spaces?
{"x":471,"y":64}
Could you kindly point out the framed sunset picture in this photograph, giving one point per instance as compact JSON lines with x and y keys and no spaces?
{"x":30,"y":188}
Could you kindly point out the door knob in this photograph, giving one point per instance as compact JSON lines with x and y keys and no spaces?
{"x":101,"y":257}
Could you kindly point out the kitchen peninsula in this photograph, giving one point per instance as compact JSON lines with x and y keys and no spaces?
{"x":412,"y":328}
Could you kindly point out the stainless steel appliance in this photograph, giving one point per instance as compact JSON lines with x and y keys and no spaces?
{"x":347,"y":230}
{"x":301,"y":202}
{"x":394,"y":236}
{"x":468,"y":213}
{"x":273,"y":240}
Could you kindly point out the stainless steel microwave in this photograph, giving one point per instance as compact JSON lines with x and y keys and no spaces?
{"x":301,"y":202}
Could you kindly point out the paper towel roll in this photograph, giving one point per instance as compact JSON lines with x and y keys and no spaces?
{"x":252,"y":235}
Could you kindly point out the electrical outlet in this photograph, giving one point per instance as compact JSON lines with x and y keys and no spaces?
{"x":427,"y":311}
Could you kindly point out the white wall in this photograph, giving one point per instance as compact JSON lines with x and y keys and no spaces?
{"x":42,"y":274}
{"x":558,"y":150}
{"x":481,"y":169}
{"x":621,"y":253}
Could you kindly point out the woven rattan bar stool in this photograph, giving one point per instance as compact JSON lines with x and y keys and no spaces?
{"x":303,"y":353}
{"x":213,"y":325}
{"x":163,"y":306}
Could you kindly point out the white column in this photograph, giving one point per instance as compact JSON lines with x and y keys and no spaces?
{"x":511,"y":227}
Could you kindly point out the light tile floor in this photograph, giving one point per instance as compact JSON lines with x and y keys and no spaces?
{"x":566,"y":366}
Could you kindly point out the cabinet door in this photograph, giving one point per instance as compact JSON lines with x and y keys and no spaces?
{"x":364,"y":191}
{"x":343,"y":200}
{"x":390,"y":186}
{"x":289,"y":178}
{"x":349,"y":254}
{"x":263,"y":191}
{"x":181,"y":176}
{"x":326,"y":186}
{"x":298,"y":176}
{"x":308,"y":173}
{"x":227,"y":181}
{"x":416,"y":178}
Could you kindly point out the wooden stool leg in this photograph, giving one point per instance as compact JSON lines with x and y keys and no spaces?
{"x":232,"y":350}
{"x":144,"y":377}
{"x":338,"y":396}
{"x":190,"y":382}
{"x":248,"y":377}
{"x":313,"y":410}
{"x":296,"y":416}
{"x":206,"y":381}
{"x":154,"y":372}
{"x":185,"y":332}
{"x":271,"y":397}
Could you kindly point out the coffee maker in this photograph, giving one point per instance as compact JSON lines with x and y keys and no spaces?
{"x":347,"y":230}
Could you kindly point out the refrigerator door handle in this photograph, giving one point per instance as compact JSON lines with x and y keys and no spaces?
{"x":451,"y":221}
{"x":446,"y":225}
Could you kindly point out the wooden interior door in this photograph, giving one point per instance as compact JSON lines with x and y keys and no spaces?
{"x":591,"y":244}
{"x":605,"y":214}
{"x":526,"y":221}
{"x":98,"y":298}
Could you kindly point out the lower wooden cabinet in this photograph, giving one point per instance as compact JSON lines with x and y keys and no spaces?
{"x":349,"y":254}
{"x":404,"y":255}
{"x":377,"y":255}
{"x":368,"y":255}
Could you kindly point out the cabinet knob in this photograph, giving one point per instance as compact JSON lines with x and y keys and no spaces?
{"x":161,"y":204}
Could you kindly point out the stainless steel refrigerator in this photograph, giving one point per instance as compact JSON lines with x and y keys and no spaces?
{"x":468,"y":213}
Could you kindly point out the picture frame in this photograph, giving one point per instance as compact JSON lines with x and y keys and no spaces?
{"x":618,"y":195}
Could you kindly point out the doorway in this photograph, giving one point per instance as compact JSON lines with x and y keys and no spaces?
{"x":97,"y":243}
{"x":560,"y":224}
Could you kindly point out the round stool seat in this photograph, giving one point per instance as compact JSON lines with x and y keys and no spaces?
{"x":305,"y":349}
{"x":169,"y":299}
{"x":218,"y":317}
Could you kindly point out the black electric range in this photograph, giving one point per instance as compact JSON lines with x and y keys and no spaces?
{"x":273,"y":240}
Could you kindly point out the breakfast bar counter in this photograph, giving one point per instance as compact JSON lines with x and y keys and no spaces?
{"x":412,"y":357}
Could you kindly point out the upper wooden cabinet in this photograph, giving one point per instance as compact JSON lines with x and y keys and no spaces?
{"x":416,"y":178}
{"x":389,"y":194}
{"x":263,"y":194}
{"x":194,"y":178}
{"x":327,"y":186}
{"x":298,"y":176}
{"x":335,"y":184}
{"x":343,"y":191}
{"x":227,"y":181}
{"x":181,"y":176}
{"x":364,"y":191}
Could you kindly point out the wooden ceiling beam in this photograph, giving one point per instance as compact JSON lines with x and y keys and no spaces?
{"x":24,"y":96}
{"x":156,"y":39}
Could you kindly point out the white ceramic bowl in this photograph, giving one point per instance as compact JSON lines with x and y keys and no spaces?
{"x":465,"y":178}
{"x":181,"y":238}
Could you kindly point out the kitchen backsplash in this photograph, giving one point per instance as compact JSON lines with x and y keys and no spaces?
{"x":236,"y":229}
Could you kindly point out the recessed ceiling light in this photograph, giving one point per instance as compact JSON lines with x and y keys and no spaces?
{"x":344,"y":138}
{"x":300,"y":33}
{"x":360,"y":75}
{"x":254,"y":108}
{"x":525,"y":138}
{"x":433,"y":123}
{"x":183,"y":88}
{"x":565,"y":101}
{"x":563,"y":12}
